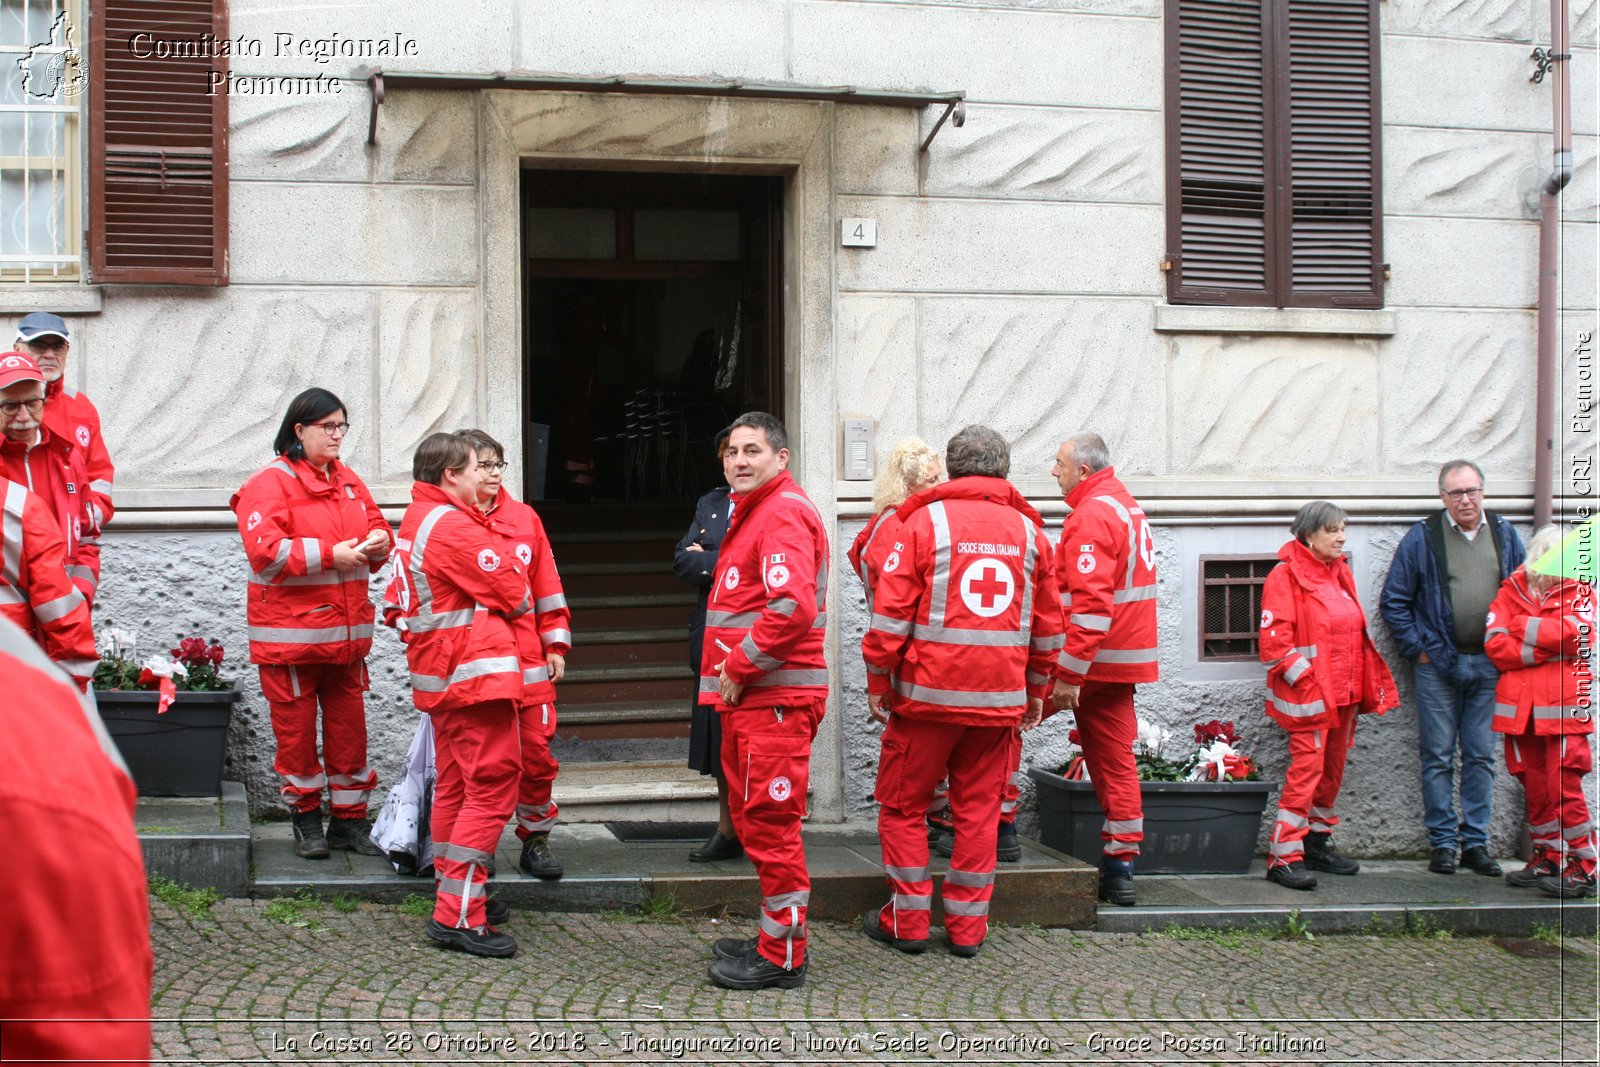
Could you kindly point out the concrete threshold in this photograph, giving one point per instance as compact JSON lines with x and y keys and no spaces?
{"x":198,"y":841}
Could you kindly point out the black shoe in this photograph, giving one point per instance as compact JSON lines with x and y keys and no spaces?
{"x":940,"y":823}
{"x":1116,"y":882}
{"x":1007,"y":849}
{"x":1569,"y":884}
{"x":497,"y":912}
{"x":1292,"y":876}
{"x":537,"y":859}
{"x":966,"y":952}
{"x":354,"y":835}
{"x":945,"y":844}
{"x":1538,"y":868}
{"x":734,"y":948}
{"x":477,"y":941}
{"x":1322,"y":856}
{"x":1478,"y":860}
{"x":309,"y":841}
{"x":1443,"y":861}
{"x":719,"y":846}
{"x":755,"y":971}
{"x":872,"y":924}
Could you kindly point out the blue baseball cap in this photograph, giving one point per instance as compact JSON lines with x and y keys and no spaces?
{"x":43,"y":324}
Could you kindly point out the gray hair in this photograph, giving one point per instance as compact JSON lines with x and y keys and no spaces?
{"x":769,"y":425}
{"x":1089,"y":450}
{"x":1455,"y":465}
{"x":1315,"y":516}
{"x":977,"y":450}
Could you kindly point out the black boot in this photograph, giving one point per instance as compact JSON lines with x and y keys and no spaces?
{"x":354,"y":835}
{"x":755,"y":971}
{"x":309,"y":841}
{"x":477,"y":940}
{"x":537,"y":859}
{"x":1322,"y":856}
{"x":1292,"y":876}
{"x":1116,"y":882}
{"x":1007,"y":849}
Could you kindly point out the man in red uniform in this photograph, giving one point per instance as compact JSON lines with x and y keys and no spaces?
{"x":454,"y":596}
{"x":967,"y":578}
{"x":544,"y":637}
{"x":47,"y":464}
{"x":765,"y":671}
{"x":35,"y":592}
{"x":1106,"y":566}
{"x":70,"y":415}
{"x":75,"y":933}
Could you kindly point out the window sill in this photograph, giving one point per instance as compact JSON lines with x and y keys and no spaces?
{"x":63,"y":298}
{"x":1350,"y":322}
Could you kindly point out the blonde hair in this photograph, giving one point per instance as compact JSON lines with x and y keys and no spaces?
{"x":911,"y":465}
{"x":1543,"y":540}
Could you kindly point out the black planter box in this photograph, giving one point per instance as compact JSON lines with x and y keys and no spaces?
{"x":1189,"y":827}
{"x":176,"y":754}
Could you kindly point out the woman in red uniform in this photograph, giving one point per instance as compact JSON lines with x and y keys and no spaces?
{"x":1540,"y":634}
{"x":313,"y":535}
{"x":1322,"y":670}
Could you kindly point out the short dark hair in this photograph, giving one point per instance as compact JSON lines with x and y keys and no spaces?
{"x":977,"y":450}
{"x":1455,"y":465}
{"x":482,"y":442}
{"x":312,"y":404}
{"x":440,"y":452}
{"x":767,"y":424}
{"x":1317,"y":515}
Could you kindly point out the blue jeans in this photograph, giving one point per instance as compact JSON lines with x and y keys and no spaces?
{"x":1456,"y":708}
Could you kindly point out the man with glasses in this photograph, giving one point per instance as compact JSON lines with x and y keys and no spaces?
{"x":1435,"y":599}
{"x":71,"y":416}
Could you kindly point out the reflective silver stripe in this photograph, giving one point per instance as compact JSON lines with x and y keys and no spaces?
{"x":11,"y":595}
{"x":1549,"y":712}
{"x":524,"y":606}
{"x":1143,"y":592}
{"x":960,"y":698}
{"x":295,"y":635}
{"x":97,"y":518}
{"x":773,"y":928}
{"x":732,"y":620}
{"x":294,"y":680}
{"x":1496,"y":630}
{"x":1119,"y":848}
{"x":419,"y":545}
{"x":886,"y":625}
{"x":1287,"y":848}
{"x":794,"y":678}
{"x":444,"y":620}
{"x":1573,"y":832}
{"x":324,"y":578}
{"x":958,"y":635}
{"x":550,"y":603}
{"x":1297,"y":670}
{"x":1124,"y":826}
{"x":473,"y":668}
{"x":455,"y":887}
{"x":1036,"y":679}
{"x":282,"y":467}
{"x":1308,"y":651}
{"x":939,"y":584}
{"x":462,"y":854}
{"x":1505,"y":711}
{"x":1291,"y":818}
{"x":876,"y":670}
{"x":1030,"y":563}
{"x":1091,"y":622}
{"x":80,"y":668}
{"x":348,"y":796}
{"x":820,"y":621}
{"x":59,"y":608}
{"x":78,"y":570}
{"x":280,"y":561}
{"x":783,"y":605}
{"x":101,"y":485}
{"x":1048,"y":644}
{"x":907,"y":874}
{"x":759,"y":659}
{"x":1133,"y":536}
{"x":315,"y":781}
{"x":1530,"y":638}
{"x":360,"y":778}
{"x":971,"y":879}
{"x":913,"y":901}
{"x":1314,"y":707}
{"x":800,"y":898}
{"x":1073,"y":663}
{"x":313,"y":550}
{"x":877,"y":524}
{"x":966,"y":907}
{"x":535,"y":817}
{"x":11,"y":534}
{"x":1127,"y":655}
{"x":557,"y":637}
{"x":535,"y":675}
{"x":1321,"y":813}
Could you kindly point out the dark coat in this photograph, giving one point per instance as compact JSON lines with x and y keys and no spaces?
{"x":709,"y":527}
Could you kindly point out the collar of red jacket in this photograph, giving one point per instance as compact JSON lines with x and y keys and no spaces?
{"x":1311,"y":570}
{"x":314,"y":480}
{"x":748,"y":501}
{"x":1094,"y":485}
{"x":53,"y":442}
{"x":428,"y":493}
{"x":53,"y":389}
{"x":973,"y":487}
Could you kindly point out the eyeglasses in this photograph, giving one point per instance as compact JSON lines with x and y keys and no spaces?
{"x":494,"y":466}
{"x":11,"y":407}
{"x":56,"y":344}
{"x":333,"y":429}
{"x":1470,"y":493}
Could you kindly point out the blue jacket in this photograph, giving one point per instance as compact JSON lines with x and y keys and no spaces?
{"x":1415,"y":603}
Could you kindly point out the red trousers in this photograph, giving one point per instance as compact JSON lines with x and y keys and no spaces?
{"x":1108,"y":726}
{"x":536,"y":812}
{"x":1551,"y":769}
{"x":477,"y":761}
{"x":915,"y":755}
{"x":293,"y":694}
{"x":766,"y":758}
{"x":1311,"y":787}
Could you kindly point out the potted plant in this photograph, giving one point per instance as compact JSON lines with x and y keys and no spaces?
{"x":1202,"y":812}
{"x":168,"y":714}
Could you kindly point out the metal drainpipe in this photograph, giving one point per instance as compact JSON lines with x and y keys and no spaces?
{"x":1547,"y":377}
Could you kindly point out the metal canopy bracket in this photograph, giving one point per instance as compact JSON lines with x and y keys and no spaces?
{"x":954,"y":103}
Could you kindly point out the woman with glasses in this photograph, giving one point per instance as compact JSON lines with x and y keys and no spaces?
{"x":313,"y":535}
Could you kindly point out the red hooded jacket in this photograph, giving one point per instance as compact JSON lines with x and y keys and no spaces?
{"x":872,"y":546}
{"x":72,"y":416}
{"x":548,"y":627}
{"x":35,"y":592}
{"x":1542,"y":646}
{"x":53,"y":469}
{"x":1106,"y":569}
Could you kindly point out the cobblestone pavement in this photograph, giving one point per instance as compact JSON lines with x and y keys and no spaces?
{"x":290,"y":980}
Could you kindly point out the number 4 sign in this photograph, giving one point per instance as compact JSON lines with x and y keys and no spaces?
{"x":858,"y":233}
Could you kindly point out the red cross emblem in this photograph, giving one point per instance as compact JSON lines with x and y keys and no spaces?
{"x":987,"y":588}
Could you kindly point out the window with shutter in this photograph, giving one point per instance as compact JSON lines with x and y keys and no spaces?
{"x":158,"y":143}
{"x":1273,"y":185}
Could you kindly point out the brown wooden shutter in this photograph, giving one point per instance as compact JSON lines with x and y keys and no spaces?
{"x":158,"y":145}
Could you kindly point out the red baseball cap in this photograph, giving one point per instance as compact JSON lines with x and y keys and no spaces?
{"x":18,"y":367}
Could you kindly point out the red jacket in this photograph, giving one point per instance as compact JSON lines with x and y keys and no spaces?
{"x":1542,"y":647}
{"x":548,"y":627}
{"x":1106,"y":568}
{"x":872,"y":546}
{"x":72,"y":416}
{"x":35,"y":592}
{"x":967,"y":621}
{"x":767,"y":614}
{"x":453,"y":595}
{"x":54,"y":470}
{"x":1294,"y":621}
{"x":301,"y":610}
